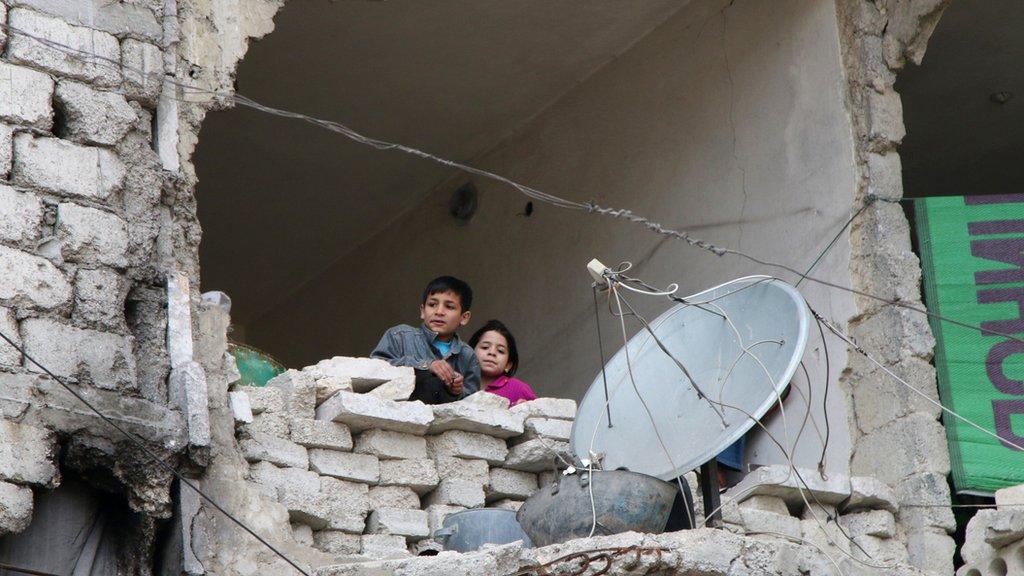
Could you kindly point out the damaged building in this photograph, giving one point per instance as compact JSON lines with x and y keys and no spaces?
{"x":155,"y":151}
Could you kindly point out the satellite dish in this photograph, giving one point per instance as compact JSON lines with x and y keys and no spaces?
{"x":771,"y":320}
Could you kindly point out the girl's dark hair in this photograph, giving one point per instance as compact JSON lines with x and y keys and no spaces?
{"x":500,"y":328}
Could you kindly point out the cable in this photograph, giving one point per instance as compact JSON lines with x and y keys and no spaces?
{"x":600,"y":349}
{"x":824,"y":401}
{"x":870,"y":200}
{"x":153,"y":456}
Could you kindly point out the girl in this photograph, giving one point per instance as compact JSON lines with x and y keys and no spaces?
{"x":496,"y":350}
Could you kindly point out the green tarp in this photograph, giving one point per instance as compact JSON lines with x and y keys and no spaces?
{"x":971,"y":255}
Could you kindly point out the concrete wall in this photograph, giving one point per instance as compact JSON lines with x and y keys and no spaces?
{"x":728,"y":121}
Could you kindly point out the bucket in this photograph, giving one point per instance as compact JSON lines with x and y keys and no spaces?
{"x":470,"y":529}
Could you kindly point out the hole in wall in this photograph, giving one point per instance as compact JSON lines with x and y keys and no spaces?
{"x":997,"y":567}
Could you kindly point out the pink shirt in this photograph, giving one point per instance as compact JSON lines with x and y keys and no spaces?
{"x":512,"y":388}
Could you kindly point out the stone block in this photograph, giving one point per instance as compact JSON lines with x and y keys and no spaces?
{"x":396,"y":390}
{"x":419,"y":475}
{"x":473,"y":415}
{"x":102,"y":70}
{"x":388,"y":445}
{"x":274,"y":480}
{"x":99,"y":298}
{"x":270,"y":424}
{"x":878,"y":550}
{"x":345,"y":465}
{"x":507,"y":504}
{"x":61,"y":167}
{"x":506,"y":483}
{"x":274,"y":450}
{"x":885,"y":117}
{"x":780,"y":481}
{"x":766,"y":503}
{"x":759,"y":521}
{"x":364,"y":374}
{"x":1012,"y":496}
{"x":559,"y":408}
{"x":886,"y":175}
{"x":307,"y":508}
{"x":549,"y":428}
{"x":100,"y":358}
{"x":867,"y":492}
{"x":361,"y":412}
{"x":879,"y":523}
{"x":819,"y":512}
{"x":91,"y":116}
{"x":826,"y":535}
{"x":468,"y":445}
{"x":91,"y":235}
{"x":931,"y":551}
{"x":303,"y":534}
{"x":299,"y":393}
{"x":347,"y":504}
{"x":6,"y":153}
{"x":398,"y":522}
{"x":321,"y":434}
{"x":326,"y":387}
{"x":28,"y":455}
{"x":187,"y":390}
{"x":337,"y":542}
{"x":119,"y":18}
{"x":15,"y":508}
{"x":457,"y":493}
{"x":452,"y":467}
{"x":241,"y":410}
{"x":28,"y":281}
{"x":879,"y":400}
{"x":26,"y":96}
{"x":143,"y":68}
{"x":263,"y":399}
{"x":393,"y":497}
{"x":383,"y":546}
{"x":911,"y":445}
{"x":1005,"y":527}
{"x":538,"y":455}
{"x":436,"y":514}
{"x":9,"y":355}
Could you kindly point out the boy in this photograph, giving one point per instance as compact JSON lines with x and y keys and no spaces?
{"x":446,"y":368}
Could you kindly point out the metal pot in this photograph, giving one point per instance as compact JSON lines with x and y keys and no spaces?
{"x":624,"y":501}
{"x":468,"y":530}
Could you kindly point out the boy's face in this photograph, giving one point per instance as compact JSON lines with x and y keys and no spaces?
{"x":442,"y":313}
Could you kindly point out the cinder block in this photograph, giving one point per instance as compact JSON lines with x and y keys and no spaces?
{"x":383,"y":546}
{"x":473,"y":414}
{"x":6,"y":150}
{"x":346,"y":502}
{"x":61,"y":167}
{"x":879,"y":523}
{"x":549,"y":428}
{"x":362,"y":411}
{"x":930,"y":492}
{"x":468,"y":445}
{"x":337,"y":542}
{"x":26,"y":96}
{"x":100,"y":358}
{"x":560,"y":408}
{"x":241,"y":411}
{"x":275,"y":450}
{"x":104,"y":70}
{"x":867,"y":492}
{"x":143,"y":66}
{"x":9,"y":355}
{"x":188,"y":391}
{"x":763,"y":522}
{"x":15,"y":508}
{"x":1012,"y":496}
{"x":28,"y":281}
{"x":345,"y":465}
{"x":321,"y":434}
{"x":507,"y":483}
{"x":419,"y":475}
{"x":452,"y":467}
{"x":21,"y":213}
{"x":399,"y":522}
{"x":880,"y":550}
{"x":270,"y":424}
{"x":91,"y":116}
{"x":327,"y":387}
{"x":302,"y":534}
{"x":781,"y":481}
{"x":263,"y":399}
{"x":91,"y":235}
{"x":28,"y":455}
{"x":299,"y":393}
{"x":116,"y":18}
{"x":772,"y":504}
{"x":364,"y":374}
{"x":538,"y":455}
{"x":436,"y":514}
{"x":885,"y":117}
{"x":388,"y":445}
{"x":911,"y":445}
{"x":457,"y":493}
{"x":272,"y":479}
{"x":393,"y":497}
{"x":99,"y":298}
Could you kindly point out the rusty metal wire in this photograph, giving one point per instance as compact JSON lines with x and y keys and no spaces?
{"x":583,"y":562}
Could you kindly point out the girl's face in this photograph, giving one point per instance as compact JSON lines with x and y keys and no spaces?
{"x":492,"y":352}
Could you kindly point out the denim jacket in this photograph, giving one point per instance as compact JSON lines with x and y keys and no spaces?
{"x":404,"y":345}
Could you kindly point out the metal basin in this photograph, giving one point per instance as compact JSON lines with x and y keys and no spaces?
{"x":468,"y":530}
{"x":624,"y":501}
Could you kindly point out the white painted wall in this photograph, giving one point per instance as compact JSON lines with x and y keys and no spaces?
{"x":728,"y":122}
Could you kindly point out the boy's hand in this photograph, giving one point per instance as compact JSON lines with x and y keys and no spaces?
{"x":456,"y":385}
{"x":444,"y":371}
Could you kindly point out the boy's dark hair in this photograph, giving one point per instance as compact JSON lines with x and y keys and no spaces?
{"x":450,"y":284}
{"x":500,"y":328}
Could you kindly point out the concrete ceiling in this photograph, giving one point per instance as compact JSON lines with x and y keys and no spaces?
{"x":280,"y":201}
{"x":960,"y":142}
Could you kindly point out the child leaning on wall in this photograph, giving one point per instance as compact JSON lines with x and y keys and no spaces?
{"x":446,"y":368}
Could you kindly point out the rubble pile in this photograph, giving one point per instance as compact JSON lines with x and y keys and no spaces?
{"x":994,"y":542}
{"x":363,"y":472}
